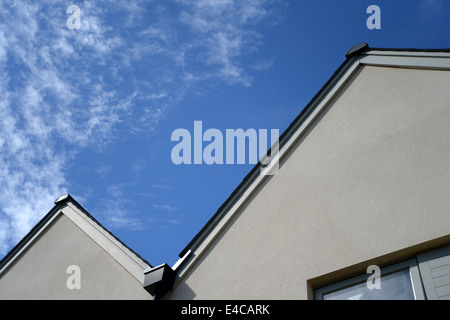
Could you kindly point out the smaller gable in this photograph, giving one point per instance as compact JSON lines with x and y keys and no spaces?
{"x":41,"y":265}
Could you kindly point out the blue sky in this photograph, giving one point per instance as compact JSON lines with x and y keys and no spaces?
{"x":91,"y":111}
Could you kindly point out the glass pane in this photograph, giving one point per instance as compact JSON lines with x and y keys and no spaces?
{"x":395,"y":286}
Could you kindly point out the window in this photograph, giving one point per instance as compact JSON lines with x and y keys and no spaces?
{"x":397,"y":282}
{"x":426,"y":276}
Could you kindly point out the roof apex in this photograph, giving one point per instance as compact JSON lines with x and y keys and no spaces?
{"x":356,"y":49}
{"x":64,"y":197}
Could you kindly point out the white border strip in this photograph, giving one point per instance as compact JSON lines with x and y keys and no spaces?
{"x":112,"y":246}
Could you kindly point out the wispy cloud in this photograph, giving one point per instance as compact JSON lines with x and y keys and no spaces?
{"x":226,"y":33}
{"x":116,"y":190}
{"x":103,"y":170}
{"x":138,"y":166}
{"x":147,"y":195}
{"x":62,"y":90}
{"x":164,"y":207}
{"x":51,"y":103}
{"x":118,"y":213}
{"x":161,"y":186}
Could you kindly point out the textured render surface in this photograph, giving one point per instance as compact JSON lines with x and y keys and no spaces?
{"x":369,"y":178}
{"x":42,"y":272}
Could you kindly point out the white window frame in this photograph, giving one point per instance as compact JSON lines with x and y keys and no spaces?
{"x":410,"y":264}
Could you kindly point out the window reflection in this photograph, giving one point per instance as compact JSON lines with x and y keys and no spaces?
{"x":394,"y":286}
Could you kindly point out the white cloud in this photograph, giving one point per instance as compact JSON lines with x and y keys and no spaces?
{"x":104,"y":170}
{"x":4,"y":236}
{"x":116,"y":190}
{"x":118,"y":214}
{"x":137,"y":166}
{"x":147,"y":195}
{"x":226,"y":31}
{"x":64,"y":90}
{"x":45,"y":112}
{"x":164,"y":207}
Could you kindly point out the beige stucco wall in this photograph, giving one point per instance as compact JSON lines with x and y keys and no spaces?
{"x":368,"y":183}
{"x":42,"y":272}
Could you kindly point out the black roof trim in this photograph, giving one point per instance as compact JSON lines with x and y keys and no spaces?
{"x":357,"y":49}
{"x":29,"y":235}
{"x":303,"y":114}
{"x":68,"y":198}
{"x":351,"y":55}
{"x":361,"y":47}
{"x":159,"y":281}
{"x":410,"y":50}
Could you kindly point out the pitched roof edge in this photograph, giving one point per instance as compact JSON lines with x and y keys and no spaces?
{"x":16,"y":249}
{"x":352,"y":56}
{"x":282,"y":139}
{"x":410,"y":49}
{"x":60,"y":203}
{"x":357,"y":49}
{"x":68,"y":198}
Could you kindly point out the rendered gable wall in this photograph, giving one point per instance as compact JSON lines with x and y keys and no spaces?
{"x":41,"y":273}
{"x":368,"y":179}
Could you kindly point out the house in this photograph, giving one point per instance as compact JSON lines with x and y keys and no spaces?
{"x":67,"y":240}
{"x":359,"y":207}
